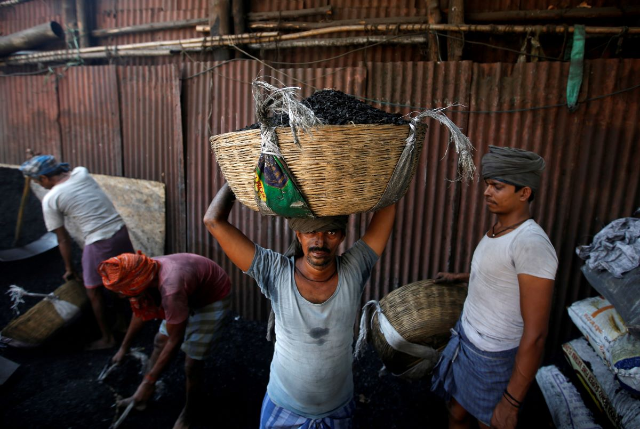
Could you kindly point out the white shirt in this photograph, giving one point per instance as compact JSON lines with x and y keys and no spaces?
{"x":491,"y":317}
{"x":81,"y":198}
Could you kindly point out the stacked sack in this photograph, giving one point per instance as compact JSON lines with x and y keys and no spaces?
{"x":607,"y":358}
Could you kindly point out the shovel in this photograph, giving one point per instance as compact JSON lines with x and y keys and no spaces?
{"x":23,"y":203}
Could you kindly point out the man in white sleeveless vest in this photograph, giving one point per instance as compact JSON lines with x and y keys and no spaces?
{"x":315,"y":296}
{"x":496,"y":347}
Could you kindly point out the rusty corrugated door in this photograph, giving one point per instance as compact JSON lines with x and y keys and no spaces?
{"x":28,"y":119}
{"x":90,"y":119}
{"x":153,"y":146}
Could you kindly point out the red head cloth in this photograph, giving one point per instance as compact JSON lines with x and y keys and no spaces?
{"x":131,"y":274}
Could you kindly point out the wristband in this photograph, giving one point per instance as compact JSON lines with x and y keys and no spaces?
{"x":150,"y":379}
{"x":510,"y":399}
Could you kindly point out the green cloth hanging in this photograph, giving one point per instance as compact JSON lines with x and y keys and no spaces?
{"x":577,"y":67}
{"x":275,"y":188}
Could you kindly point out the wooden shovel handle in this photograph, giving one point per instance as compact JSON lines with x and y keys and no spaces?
{"x":23,"y":203}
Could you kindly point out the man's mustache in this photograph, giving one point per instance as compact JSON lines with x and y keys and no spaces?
{"x":319,"y":249}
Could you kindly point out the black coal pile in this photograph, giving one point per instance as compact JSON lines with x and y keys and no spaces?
{"x":41,"y":273}
{"x":334,"y":107}
{"x":11,"y":188}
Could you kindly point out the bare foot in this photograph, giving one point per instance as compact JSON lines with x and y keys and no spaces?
{"x":101,"y":344}
{"x":124,"y":403}
{"x":183,"y":421}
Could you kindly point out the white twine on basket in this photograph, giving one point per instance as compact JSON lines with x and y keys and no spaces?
{"x":271,"y":100}
{"x":17,"y":293}
{"x":428,"y":355}
{"x":463,"y":146}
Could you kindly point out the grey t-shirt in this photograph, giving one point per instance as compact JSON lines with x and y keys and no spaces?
{"x":82,"y":199}
{"x":311,"y":367}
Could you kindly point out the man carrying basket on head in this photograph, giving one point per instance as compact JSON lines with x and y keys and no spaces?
{"x":491,"y":360}
{"x":315,"y":296}
{"x":190,"y":293}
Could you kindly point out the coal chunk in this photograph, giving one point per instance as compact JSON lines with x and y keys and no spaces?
{"x":334,"y":107}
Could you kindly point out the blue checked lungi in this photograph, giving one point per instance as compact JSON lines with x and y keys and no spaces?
{"x":275,"y":417}
{"x":204,"y":328}
{"x":475,"y":378}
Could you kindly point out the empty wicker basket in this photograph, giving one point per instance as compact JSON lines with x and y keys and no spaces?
{"x":340,"y":169}
{"x":422,"y":313}
{"x":43,"y":320}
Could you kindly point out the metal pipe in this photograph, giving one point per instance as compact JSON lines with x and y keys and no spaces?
{"x":345,"y":41}
{"x":30,"y":38}
{"x":154,"y":26}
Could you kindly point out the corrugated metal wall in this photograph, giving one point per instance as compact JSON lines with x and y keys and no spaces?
{"x":29,"y":117}
{"x":90,"y":118}
{"x":152,"y":138}
{"x":127,"y":120}
{"x":154,"y":123}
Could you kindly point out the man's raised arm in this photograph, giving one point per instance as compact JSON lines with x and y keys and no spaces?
{"x":234,"y":243}
{"x":379,"y":229}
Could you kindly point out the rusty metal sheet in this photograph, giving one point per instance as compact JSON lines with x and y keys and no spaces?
{"x":504,"y":5}
{"x":152,"y":143}
{"x":90,"y":119}
{"x":122,"y":14}
{"x":28,"y":118}
{"x":422,"y":238}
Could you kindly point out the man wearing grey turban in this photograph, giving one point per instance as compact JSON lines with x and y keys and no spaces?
{"x":315,"y":295}
{"x":492,"y":358}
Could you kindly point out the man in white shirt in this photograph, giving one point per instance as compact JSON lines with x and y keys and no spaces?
{"x":77,"y":195}
{"x":496,"y":348}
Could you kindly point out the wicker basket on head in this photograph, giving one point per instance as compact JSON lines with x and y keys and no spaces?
{"x":340,"y":169}
{"x":422,"y":313}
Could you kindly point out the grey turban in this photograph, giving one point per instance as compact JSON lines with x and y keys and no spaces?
{"x":515,"y":166}
{"x":320,"y":224}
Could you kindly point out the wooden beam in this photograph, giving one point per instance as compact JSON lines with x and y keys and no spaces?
{"x":300,"y":25}
{"x":433,"y":13}
{"x":239,"y":21}
{"x":456,"y":17}
{"x":70,"y":21}
{"x":252,"y":38}
{"x":219,"y":24}
{"x":470,"y":28}
{"x":84,"y":26}
{"x":287,"y":14}
{"x":237,"y":10}
{"x":553,"y":14}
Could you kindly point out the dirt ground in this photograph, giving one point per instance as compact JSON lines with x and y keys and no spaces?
{"x":56,"y":385}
